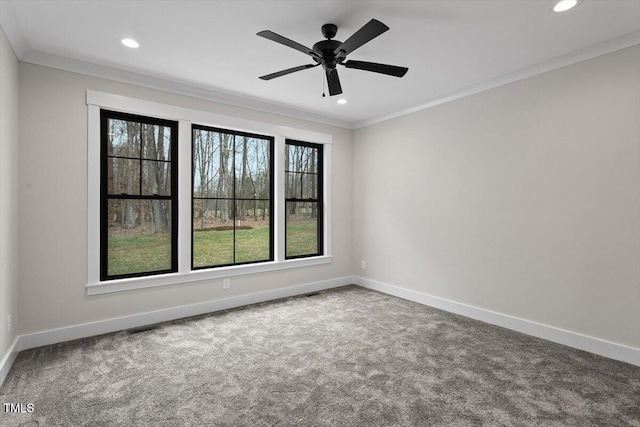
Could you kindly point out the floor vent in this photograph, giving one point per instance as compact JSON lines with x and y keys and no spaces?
{"x":142,"y":329}
{"x":312,"y":294}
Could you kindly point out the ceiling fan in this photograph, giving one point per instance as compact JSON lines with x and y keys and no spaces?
{"x":329,"y":53}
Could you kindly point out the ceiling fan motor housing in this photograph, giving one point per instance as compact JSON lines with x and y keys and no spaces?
{"x":326,"y":48}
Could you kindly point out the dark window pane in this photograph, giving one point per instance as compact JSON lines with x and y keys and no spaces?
{"x":123,"y":138}
{"x":309,"y":188}
{"x":289,"y":185}
{"x":156,"y":178}
{"x":302,"y":228}
{"x":301,"y":186}
{"x":139,"y":236}
{"x":213,"y":243}
{"x":123,"y":176}
{"x":208,"y":213}
{"x":300,"y":158}
{"x":261,"y":171}
{"x":156,"y":142}
{"x":252,"y":167}
{"x":212,"y":164}
{"x":252,"y":233}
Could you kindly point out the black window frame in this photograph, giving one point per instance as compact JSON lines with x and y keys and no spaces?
{"x":105,"y":115}
{"x":271,"y":140}
{"x":319,"y":200}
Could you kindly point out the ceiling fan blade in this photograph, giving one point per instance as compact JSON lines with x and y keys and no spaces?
{"x":368,"y":32}
{"x":285,"y":41}
{"x":334,"y":82}
{"x":390,"y":70}
{"x":287,"y":71}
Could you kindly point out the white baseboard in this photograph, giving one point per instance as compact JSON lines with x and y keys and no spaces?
{"x":557,"y":335}
{"x":54,"y":336}
{"x":7,"y":360}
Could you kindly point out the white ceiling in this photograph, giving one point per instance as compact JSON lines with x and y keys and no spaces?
{"x":449,"y":46}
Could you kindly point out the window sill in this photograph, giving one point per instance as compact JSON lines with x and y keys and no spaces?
{"x":133,"y":283}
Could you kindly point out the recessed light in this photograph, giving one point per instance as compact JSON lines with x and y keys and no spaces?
{"x":342,"y":101}
{"x":564,"y":5}
{"x":130,"y":43}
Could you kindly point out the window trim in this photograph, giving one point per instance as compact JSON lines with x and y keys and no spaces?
{"x":186,"y":117}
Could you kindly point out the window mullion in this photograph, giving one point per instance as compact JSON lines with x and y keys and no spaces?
{"x":324,"y":200}
{"x":279,"y":202}
{"x":141,"y":156}
{"x":185,"y":215}
{"x":233,"y":196}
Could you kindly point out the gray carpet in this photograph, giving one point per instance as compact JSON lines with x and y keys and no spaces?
{"x":344,"y":357}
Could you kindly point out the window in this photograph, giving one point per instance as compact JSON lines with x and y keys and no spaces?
{"x":174,"y":195}
{"x":232,"y":203}
{"x":138,"y":196}
{"x":303,"y":199}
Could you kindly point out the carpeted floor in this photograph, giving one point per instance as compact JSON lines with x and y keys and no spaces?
{"x":343,"y":357}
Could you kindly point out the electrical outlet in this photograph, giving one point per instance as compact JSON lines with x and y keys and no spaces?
{"x":363,"y":265}
{"x":226,"y":283}
{"x":8,"y":323}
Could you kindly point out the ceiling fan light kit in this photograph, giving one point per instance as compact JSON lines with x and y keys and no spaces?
{"x":330,"y":53}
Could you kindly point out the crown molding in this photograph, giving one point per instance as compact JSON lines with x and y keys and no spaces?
{"x":177,"y":87}
{"x":570,"y":58}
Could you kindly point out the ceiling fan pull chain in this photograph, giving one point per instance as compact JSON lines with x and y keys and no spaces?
{"x":322,"y":75}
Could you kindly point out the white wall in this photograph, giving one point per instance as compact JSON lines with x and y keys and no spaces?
{"x":8,"y":195}
{"x":53,"y":207}
{"x":524,"y":199}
